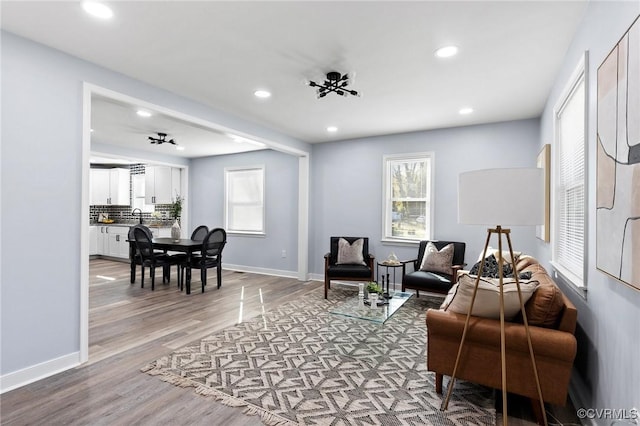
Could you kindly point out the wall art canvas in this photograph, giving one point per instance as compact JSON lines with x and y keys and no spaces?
{"x":544,"y":162}
{"x":618,"y":161}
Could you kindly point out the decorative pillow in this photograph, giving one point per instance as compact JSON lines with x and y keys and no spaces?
{"x":545,"y":306}
{"x":487,"y":303}
{"x":505,"y":254}
{"x":490,"y":269}
{"x":350,"y":254}
{"x":437,"y":261}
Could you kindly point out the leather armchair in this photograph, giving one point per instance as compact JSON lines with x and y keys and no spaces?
{"x":433,"y":281}
{"x":347,"y":272}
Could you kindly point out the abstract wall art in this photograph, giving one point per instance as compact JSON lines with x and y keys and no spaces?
{"x":618,"y":161}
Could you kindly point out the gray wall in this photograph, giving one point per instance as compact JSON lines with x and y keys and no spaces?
{"x":607,"y":371}
{"x":258,"y":253}
{"x":346,"y":184}
{"x":41,"y":172}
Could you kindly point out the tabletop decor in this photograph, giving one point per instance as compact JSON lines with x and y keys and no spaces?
{"x":329,"y":369}
{"x":176,"y":210}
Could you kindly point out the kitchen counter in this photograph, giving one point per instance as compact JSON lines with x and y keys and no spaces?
{"x":128,"y":225}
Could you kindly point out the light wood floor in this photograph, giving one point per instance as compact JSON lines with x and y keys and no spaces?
{"x":129,"y":327}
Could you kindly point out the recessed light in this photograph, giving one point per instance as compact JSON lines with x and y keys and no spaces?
{"x":143,"y":113}
{"x":97,"y":9}
{"x":180,"y":148}
{"x":262,"y":94}
{"x":446,"y":51}
{"x":465,"y":111}
{"x":91,"y":130}
{"x":332,"y":129}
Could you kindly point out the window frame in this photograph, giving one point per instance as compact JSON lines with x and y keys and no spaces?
{"x":227,"y":172}
{"x":429,"y":158}
{"x":579,"y":76}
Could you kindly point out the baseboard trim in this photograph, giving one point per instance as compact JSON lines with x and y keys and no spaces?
{"x":263,"y":271}
{"x":37,"y":372}
{"x":578,"y":398}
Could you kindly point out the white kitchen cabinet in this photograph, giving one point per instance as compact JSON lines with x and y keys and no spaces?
{"x":93,"y":240}
{"x":162,"y":184}
{"x":110,"y":187}
{"x":117,"y":241}
{"x":102,"y":240}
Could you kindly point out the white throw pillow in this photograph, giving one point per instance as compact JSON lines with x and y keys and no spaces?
{"x":505,"y":254}
{"x":437,"y":261}
{"x":487,"y":303}
{"x":350,"y":254}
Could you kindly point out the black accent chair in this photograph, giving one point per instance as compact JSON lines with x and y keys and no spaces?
{"x":209,"y":257}
{"x":433,"y":281}
{"x":151,"y":258}
{"x":347,"y":272}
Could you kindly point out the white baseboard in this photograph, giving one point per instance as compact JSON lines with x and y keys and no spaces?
{"x":37,"y":372}
{"x":576,"y":393}
{"x":263,"y":271}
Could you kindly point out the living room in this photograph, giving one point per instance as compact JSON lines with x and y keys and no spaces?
{"x":42,"y":135}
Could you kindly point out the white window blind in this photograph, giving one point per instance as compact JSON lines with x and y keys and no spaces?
{"x":569,"y":213}
{"x":244,"y":200}
{"x":407,"y":201}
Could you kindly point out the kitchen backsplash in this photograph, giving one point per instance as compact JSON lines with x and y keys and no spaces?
{"x":122,"y":214}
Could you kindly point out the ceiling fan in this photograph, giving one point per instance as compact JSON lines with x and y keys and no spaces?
{"x":162,"y":138}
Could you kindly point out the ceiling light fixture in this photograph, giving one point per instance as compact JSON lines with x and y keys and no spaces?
{"x":336,"y":83}
{"x":143,"y":113}
{"x":262,"y":94}
{"x":465,"y":111}
{"x":332,"y":129}
{"x":97,"y":9}
{"x":162,"y":138}
{"x":446,"y":51}
{"x":180,"y":148}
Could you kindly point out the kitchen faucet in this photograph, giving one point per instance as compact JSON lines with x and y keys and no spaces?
{"x":139,"y":211}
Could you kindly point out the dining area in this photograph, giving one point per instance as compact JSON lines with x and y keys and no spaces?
{"x":202,"y":251}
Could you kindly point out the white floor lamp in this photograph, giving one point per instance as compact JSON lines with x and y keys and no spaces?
{"x":511,"y":197}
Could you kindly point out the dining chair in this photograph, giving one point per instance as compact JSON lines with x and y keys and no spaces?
{"x":134,"y":258}
{"x":198,"y":234}
{"x":209,"y":257}
{"x":151,"y":258}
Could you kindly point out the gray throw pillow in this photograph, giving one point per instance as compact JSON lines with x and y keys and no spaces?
{"x":437,"y":261}
{"x":350,"y":254}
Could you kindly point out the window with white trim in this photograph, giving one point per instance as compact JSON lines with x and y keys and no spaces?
{"x":407,"y":208}
{"x":244,"y":200}
{"x":568,"y":242}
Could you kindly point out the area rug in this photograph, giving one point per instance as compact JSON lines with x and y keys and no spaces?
{"x":301,"y":365}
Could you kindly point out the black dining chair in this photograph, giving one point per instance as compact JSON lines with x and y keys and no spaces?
{"x":209,"y":257}
{"x":198,"y":234}
{"x":151,"y":258}
{"x":134,"y":258}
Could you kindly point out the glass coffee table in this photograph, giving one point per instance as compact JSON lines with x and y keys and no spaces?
{"x":354,"y":307}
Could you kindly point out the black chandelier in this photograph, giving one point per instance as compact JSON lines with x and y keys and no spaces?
{"x":162,"y":138}
{"x":335,"y":83}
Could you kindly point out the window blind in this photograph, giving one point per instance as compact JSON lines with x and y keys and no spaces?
{"x":570,"y":189}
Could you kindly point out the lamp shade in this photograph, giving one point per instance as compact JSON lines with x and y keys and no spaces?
{"x":501,"y":197}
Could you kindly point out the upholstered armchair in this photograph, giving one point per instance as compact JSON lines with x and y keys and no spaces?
{"x":438,"y":272}
{"x":348,"y":260}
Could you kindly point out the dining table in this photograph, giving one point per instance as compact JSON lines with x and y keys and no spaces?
{"x":183,"y":245}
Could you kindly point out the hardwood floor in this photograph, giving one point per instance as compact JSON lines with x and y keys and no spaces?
{"x":129,"y":327}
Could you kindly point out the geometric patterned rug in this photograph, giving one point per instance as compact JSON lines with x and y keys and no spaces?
{"x":301,"y":365}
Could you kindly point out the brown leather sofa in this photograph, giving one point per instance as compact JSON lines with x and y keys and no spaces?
{"x":554,"y":344}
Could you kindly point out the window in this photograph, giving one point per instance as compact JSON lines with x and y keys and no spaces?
{"x":569,"y":181}
{"x":407,"y":197}
{"x":244,"y":200}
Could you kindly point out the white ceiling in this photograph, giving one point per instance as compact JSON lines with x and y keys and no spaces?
{"x":219,"y":53}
